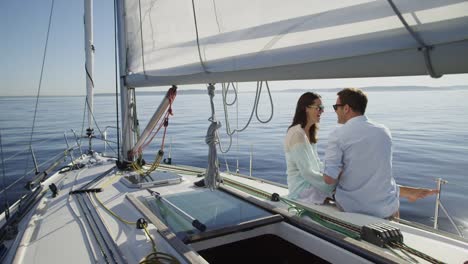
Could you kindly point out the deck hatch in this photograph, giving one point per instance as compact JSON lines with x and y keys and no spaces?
{"x":221,"y":213}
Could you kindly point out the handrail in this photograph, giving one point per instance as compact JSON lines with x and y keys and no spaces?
{"x":441,"y":181}
{"x":56,"y":158}
{"x":78,"y":141}
{"x":26,"y":150}
{"x":104,"y":137}
{"x":54,"y":161}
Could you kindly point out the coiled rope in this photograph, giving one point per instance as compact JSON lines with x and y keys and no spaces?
{"x":212,"y":171}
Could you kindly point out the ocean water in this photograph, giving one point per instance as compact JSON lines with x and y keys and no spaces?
{"x":429,"y":130}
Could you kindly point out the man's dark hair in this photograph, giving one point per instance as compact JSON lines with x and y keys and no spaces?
{"x":355,"y":98}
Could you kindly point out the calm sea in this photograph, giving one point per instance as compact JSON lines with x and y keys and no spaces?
{"x":429,"y":129}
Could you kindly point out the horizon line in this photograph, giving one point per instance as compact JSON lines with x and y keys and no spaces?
{"x":250,"y":91}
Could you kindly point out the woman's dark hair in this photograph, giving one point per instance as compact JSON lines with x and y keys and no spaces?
{"x":300,"y":117}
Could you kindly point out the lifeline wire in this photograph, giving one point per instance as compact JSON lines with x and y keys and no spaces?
{"x":4,"y":176}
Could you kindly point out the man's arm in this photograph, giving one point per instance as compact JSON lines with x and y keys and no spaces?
{"x":333,"y":160}
{"x":414,"y":194}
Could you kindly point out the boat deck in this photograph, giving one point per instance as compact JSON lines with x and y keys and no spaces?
{"x":77,"y":229}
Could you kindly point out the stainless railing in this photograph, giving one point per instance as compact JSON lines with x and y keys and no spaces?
{"x":104,"y":136}
{"x":439,"y":204}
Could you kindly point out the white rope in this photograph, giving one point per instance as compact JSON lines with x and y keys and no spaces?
{"x":212,"y":177}
{"x":254,"y":109}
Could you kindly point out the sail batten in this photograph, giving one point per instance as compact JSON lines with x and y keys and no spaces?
{"x":275,"y":40}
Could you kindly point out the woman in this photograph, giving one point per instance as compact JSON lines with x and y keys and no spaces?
{"x":305,"y":179}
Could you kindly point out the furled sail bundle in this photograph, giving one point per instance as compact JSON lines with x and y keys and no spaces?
{"x":183,"y":42}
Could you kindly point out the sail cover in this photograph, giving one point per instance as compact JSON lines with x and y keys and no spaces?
{"x":207,"y":41}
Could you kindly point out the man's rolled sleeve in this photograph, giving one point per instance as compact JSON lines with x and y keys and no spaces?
{"x":333,"y":156}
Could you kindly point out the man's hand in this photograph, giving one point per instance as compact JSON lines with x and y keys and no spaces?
{"x":413,"y":194}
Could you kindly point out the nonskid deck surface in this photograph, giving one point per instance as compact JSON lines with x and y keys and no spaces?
{"x":61,"y":228}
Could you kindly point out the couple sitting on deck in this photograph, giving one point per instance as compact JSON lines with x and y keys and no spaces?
{"x":358,"y":159}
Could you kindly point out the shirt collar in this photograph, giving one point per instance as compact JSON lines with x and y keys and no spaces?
{"x":361,"y":118}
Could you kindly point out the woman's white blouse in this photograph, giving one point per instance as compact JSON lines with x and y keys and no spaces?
{"x":304,"y":168}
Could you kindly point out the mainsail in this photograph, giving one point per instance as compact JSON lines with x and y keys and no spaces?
{"x":183,"y":42}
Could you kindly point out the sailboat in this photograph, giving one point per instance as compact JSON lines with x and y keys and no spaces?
{"x":124,"y":210}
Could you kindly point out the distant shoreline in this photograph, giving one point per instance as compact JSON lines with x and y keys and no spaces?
{"x":199,"y":91}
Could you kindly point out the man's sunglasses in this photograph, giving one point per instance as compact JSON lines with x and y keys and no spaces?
{"x":335,"y":106}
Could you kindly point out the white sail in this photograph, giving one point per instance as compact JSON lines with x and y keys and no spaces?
{"x":249,"y":40}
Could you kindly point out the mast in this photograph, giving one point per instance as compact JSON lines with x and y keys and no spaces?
{"x":126,"y":94}
{"x":89,"y":67}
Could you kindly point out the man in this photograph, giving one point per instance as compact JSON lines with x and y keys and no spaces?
{"x":359,"y":160}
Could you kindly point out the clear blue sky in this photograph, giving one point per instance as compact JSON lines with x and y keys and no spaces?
{"x":23,"y":25}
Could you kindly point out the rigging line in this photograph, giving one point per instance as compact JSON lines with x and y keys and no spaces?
{"x":40,"y":79}
{"x":93,"y":232}
{"x":271,"y":103}
{"x":116,"y":79}
{"x":27,"y":150}
{"x":95,"y":123}
{"x":237,"y":127}
{"x":216,"y":16}
{"x":198,"y":39}
{"x":4,"y":175}
{"x":97,"y":221}
{"x":424,"y":48}
{"x":226,"y":92}
{"x":33,"y":169}
{"x":78,"y":219}
{"x":88,"y":74}
{"x":141,"y":39}
{"x":254,"y":109}
{"x":83,"y":122}
{"x":228,"y":127}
